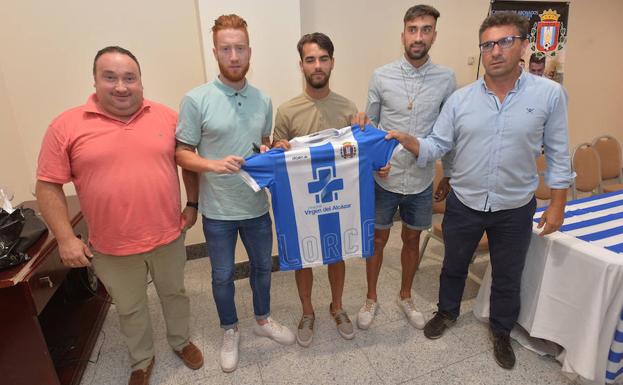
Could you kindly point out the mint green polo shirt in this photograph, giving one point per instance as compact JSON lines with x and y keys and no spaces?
{"x":220,"y":121}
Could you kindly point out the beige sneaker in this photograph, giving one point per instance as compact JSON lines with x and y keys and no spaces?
{"x":344,"y":326}
{"x":415,"y":318}
{"x":305,"y":331}
{"x":366,"y":313}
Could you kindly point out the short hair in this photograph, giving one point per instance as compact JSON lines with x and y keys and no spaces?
{"x":506,"y":18}
{"x":231,"y":21}
{"x":421,"y":10}
{"x":117,"y":49}
{"x":534,"y":58}
{"x":319,"y":38}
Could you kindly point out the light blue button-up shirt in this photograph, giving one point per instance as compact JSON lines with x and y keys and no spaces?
{"x":222,"y":121}
{"x":497,"y":143}
{"x":391,"y":89}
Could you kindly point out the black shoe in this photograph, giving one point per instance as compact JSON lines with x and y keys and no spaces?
{"x":503,"y":351}
{"x":438,"y":324}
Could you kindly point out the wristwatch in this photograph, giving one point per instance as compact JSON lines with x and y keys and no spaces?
{"x":194,"y":205}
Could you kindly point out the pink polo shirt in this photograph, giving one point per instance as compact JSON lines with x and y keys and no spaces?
{"x":124,"y":173}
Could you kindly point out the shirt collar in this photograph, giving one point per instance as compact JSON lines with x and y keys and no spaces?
{"x":521,"y":80}
{"x":306,"y":96}
{"x":92,"y":107}
{"x":411,"y":70}
{"x":231,"y":91}
{"x":519,"y":83}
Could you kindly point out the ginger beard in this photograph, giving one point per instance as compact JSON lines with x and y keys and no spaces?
{"x":234,"y":74}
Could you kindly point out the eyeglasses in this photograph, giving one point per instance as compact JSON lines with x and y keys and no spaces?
{"x":504,"y":43}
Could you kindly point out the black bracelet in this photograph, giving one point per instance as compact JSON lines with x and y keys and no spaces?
{"x":194,"y":205}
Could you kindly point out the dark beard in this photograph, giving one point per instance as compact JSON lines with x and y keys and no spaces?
{"x":315,"y":84}
{"x":416,"y":55}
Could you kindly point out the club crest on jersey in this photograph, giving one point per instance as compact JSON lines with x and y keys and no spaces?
{"x":348,"y":150}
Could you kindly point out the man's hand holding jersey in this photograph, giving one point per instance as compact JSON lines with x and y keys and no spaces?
{"x":282,"y":143}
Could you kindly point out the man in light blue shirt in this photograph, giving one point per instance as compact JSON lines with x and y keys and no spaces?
{"x":405,"y":95}
{"x":496,"y":126}
{"x":223,"y":120}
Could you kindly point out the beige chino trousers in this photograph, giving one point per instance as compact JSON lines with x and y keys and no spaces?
{"x":125,"y":278}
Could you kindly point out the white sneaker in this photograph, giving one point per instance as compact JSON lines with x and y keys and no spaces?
{"x":275,"y":331}
{"x":416,"y":319}
{"x":229,"y":350}
{"x":366,"y":313}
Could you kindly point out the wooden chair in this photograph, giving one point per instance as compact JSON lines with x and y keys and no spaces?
{"x":585,"y":162}
{"x":543,"y":192}
{"x":609,"y":150}
{"x":436,"y":232}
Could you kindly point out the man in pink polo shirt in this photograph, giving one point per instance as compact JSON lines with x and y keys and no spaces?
{"x":119,"y":151}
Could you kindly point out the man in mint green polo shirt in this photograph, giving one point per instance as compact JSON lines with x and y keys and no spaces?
{"x":219,"y":123}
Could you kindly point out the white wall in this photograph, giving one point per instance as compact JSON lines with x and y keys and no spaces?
{"x":366,"y":35}
{"x":46,"y":66}
{"x":14,"y":174}
{"x":48,"y":48}
{"x":274,"y":29}
{"x":593,"y":75}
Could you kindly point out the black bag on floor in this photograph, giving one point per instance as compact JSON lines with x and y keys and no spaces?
{"x":18,"y":231}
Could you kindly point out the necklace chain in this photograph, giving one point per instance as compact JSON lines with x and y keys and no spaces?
{"x":411,"y":91}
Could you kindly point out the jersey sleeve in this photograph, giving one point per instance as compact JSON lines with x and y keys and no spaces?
{"x":376,"y":147}
{"x":259,"y":170}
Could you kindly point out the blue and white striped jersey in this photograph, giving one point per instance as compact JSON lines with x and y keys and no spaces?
{"x":323,"y":193}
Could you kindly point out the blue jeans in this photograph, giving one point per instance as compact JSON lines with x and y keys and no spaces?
{"x":257,"y":237}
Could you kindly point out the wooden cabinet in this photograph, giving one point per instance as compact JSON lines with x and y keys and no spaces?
{"x":46,"y":336}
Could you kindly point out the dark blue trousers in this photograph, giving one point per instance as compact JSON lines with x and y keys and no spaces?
{"x":509,"y":233}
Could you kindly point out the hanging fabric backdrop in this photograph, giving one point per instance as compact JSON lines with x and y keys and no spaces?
{"x":548,"y":34}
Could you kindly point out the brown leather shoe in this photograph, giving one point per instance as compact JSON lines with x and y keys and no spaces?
{"x":141,"y":376}
{"x":191,"y":356}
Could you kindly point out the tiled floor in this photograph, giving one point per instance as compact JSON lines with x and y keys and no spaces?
{"x":390,"y":352}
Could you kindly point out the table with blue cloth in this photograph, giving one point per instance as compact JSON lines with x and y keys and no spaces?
{"x":572,"y":288}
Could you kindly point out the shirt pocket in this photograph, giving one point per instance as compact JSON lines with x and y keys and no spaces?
{"x":528,"y":122}
{"x":427,"y":107}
